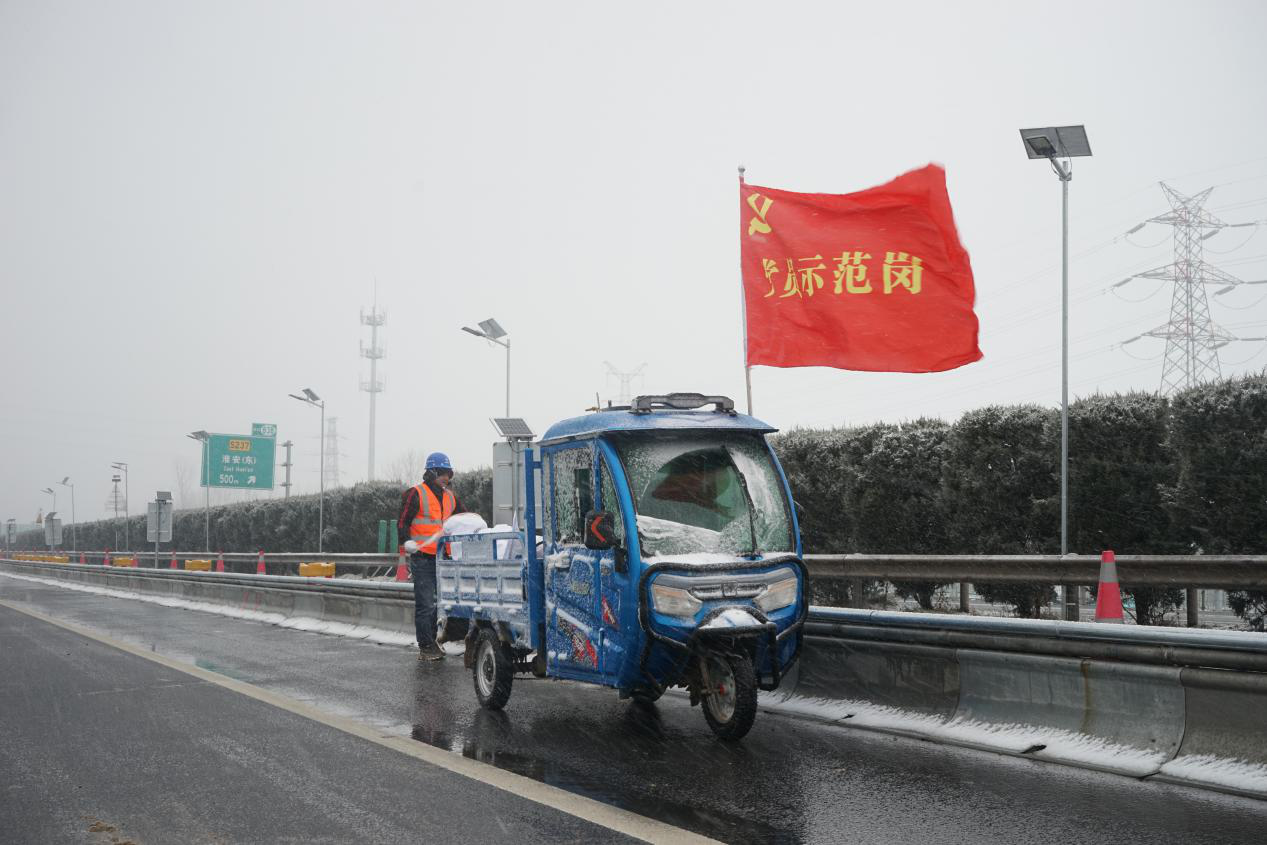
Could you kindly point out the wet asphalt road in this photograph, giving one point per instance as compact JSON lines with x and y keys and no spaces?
{"x":788,"y":781}
{"x":103,"y":746}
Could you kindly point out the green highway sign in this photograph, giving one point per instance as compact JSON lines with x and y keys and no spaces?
{"x":263,"y":430}
{"x":238,"y":461}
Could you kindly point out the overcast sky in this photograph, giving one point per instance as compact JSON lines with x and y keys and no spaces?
{"x":197,"y":199}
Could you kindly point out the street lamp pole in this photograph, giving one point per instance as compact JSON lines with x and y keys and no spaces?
{"x":126,"y":504}
{"x":490,"y":329}
{"x":1051,"y":143}
{"x":205,"y":439}
{"x":65,"y":482}
{"x":310,"y":398}
{"x":50,"y":491}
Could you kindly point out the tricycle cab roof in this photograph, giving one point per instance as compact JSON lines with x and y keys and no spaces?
{"x":623,"y":419}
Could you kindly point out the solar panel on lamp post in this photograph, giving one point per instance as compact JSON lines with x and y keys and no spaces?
{"x":1052,"y":143}
{"x":490,"y":329}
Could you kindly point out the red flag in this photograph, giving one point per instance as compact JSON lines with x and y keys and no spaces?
{"x":875,"y":280}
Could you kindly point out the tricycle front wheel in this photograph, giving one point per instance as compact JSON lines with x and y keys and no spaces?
{"x":730,"y":701}
{"x":493,"y":669}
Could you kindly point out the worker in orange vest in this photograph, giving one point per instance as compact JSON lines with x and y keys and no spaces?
{"x":424,"y":508}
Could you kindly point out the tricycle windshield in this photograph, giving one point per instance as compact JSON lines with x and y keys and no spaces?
{"x":705,"y":492}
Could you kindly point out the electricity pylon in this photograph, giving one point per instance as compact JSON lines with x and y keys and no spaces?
{"x":332,"y":452}
{"x":625,"y":396}
{"x":1192,"y":337}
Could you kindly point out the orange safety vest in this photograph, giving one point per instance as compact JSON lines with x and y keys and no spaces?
{"x":430,"y":517}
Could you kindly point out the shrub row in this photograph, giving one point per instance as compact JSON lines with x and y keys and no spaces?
{"x":350,"y":520}
{"x":1146,"y":476}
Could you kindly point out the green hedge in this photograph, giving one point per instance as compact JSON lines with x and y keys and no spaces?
{"x":1145,"y":476}
{"x":282,"y":525}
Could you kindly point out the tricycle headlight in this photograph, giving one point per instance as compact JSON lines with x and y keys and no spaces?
{"x":778,"y":595}
{"x":674,"y":601}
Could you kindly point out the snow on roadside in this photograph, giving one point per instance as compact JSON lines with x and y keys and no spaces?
{"x":1229,"y":774}
{"x":1041,"y":743}
{"x":298,"y":623}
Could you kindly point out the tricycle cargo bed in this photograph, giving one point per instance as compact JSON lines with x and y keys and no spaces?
{"x":481,"y":577}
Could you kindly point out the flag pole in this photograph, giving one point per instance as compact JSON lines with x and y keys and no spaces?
{"x":743,"y":302}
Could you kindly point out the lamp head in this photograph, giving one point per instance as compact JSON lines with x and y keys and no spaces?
{"x":492,"y":328}
{"x":1056,"y":142}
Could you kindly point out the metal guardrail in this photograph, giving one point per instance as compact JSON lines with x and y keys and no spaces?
{"x":146,"y":558}
{"x":1234,"y":650}
{"x":1223,"y":572}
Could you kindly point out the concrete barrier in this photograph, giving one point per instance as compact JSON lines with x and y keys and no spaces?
{"x":1225,"y":733}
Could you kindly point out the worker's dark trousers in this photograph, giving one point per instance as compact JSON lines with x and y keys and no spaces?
{"x":423,"y":569}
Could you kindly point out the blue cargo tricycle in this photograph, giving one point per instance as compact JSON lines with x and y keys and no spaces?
{"x":666,"y":553}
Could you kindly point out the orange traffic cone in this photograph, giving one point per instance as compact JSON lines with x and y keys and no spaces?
{"x":83,"y":558}
{"x":220,"y":562}
{"x":402,"y":570}
{"x":1108,"y":598}
{"x":175,"y":565}
{"x":105,"y":561}
{"x":259,"y":567}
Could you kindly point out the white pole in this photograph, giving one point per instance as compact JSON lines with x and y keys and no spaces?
{"x":743,"y":301}
{"x":206,"y":468}
{"x":321,"y":495}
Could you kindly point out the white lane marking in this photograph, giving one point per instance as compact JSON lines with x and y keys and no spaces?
{"x":587,"y":809}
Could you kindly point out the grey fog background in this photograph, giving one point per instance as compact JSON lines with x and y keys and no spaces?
{"x":197,"y":199}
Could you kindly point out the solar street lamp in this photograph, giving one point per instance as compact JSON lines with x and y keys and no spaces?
{"x":120,"y":465}
{"x":50,"y":491}
{"x":310,"y":398}
{"x":1059,"y":145}
{"x":490,"y":329}
{"x":65,"y":482}
{"x":204,"y":438}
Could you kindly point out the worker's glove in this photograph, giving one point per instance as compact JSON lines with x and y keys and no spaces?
{"x":411,"y":546}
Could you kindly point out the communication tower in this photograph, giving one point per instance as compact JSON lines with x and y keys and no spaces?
{"x":374,"y":385}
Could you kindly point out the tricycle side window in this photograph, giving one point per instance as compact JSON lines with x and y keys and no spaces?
{"x":573,"y":493}
{"x":611,"y":502}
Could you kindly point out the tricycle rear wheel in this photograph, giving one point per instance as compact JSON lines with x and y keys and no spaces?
{"x":730,"y":702}
{"x":494,"y":671}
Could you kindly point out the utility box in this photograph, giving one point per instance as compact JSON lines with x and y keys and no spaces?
{"x":52,"y":531}
{"x":509,"y":489}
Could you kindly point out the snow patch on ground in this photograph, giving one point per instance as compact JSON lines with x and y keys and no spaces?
{"x":298,"y":623}
{"x":1220,"y":771}
{"x":1057,"y":745}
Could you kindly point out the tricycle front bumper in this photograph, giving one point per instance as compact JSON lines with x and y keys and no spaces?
{"x":701,"y":637}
